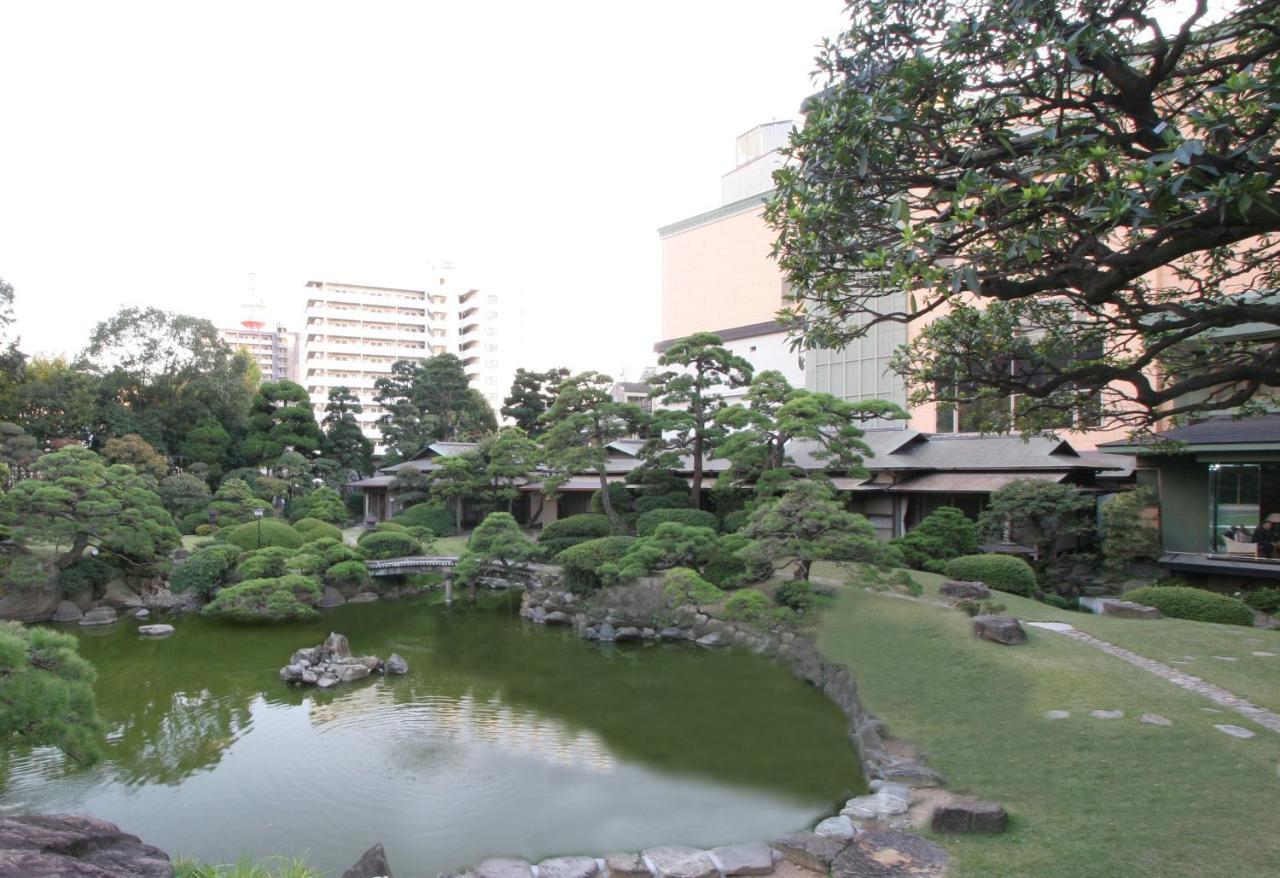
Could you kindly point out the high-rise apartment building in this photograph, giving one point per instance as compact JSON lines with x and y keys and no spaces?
{"x":353,"y":333}
{"x":275,"y":350}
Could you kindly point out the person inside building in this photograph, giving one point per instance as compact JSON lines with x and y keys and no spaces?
{"x":1264,"y":536}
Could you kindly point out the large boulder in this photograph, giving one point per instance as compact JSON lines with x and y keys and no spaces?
{"x":887,"y":853}
{"x":30,"y":604}
{"x":335,"y":646}
{"x":1129,"y":610}
{"x":99,"y":616}
{"x":969,"y":815}
{"x":331,"y":598}
{"x":396,"y":665}
{"x":963,"y":588}
{"x":999,"y":629}
{"x":120,"y":596}
{"x":67,"y":612}
{"x":75,"y":846}
{"x":158,"y":630}
{"x":372,"y":865}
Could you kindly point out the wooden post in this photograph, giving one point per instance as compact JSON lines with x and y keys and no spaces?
{"x":448,"y":586}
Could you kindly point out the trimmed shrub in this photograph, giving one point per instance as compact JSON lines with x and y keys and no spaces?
{"x":735,"y":521}
{"x":798,"y":594}
{"x":265,"y":563}
{"x":560,"y":535}
{"x":647,"y":502}
{"x":266,"y":600}
{"x":205,"y":571}
{"x":347,"y":573}
{"x":945,"y":533}
{"x":1196,"y":604}
{"x":274,"y":533}
{"x":379,"y":545}
{"x":649,"y":521}
{"x":323,"y":504}
{"x":305,"y":563}
{"x":331,"y":550}
{"x":580,"y":562}
{"x":621,"y":497}
{"x":206,"y":530}
{"x":86,"y":573}
{"x":746,"y":606}
{"x":684,"y":586}
{"x":315,"y":529}
{"x":1001,"y":572}
{"x":728,"y":568}
{"x":1264,"y":600}
{"x":192,"y":522}
{"x":433,"y":516}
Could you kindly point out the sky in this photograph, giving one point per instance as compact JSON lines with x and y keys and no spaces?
{"x":164,"y":153}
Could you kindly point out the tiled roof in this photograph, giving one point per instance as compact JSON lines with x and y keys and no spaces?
{"x":1258,"y":430}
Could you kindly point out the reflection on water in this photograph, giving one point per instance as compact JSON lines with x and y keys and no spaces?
{"x":501,"y":739}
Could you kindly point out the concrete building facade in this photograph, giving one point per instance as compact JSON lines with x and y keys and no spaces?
{"x":274,"y":350}
{"x":354,"y":333}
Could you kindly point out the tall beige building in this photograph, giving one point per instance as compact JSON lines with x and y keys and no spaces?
{"x":274,"y":350}
{"x":353,"y":333}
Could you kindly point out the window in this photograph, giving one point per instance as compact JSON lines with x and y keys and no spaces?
{"x":491,"y":300}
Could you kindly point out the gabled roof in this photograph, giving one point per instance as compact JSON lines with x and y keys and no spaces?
{"x":1261,"y":432}
{"x":445,"y":449}
{"x":978,"y":452}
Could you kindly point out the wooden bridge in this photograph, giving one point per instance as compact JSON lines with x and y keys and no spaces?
{"x":418,"y":564}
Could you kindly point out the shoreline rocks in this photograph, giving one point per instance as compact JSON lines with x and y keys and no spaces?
{"x":75,"y":846}
{"x":331,"y":663}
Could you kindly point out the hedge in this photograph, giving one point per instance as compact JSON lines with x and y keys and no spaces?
{"x":205,"y":570}
{"x":580,"y":562}
{"x":315,"y":529}
{"x":735,"y":521}
{"x":266,"y":600}
{"x":1196,"y":604}
{"x":1001,"y":572}
{"x":560,"y":535}
{"x":649,"y":521}
{"x":1264,"y":600}
{"x":433,"y":516}
{"x":347,"y":573}
{"x":274,"y":533}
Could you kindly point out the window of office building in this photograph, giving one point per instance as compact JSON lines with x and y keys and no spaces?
{"x":860,"y":371}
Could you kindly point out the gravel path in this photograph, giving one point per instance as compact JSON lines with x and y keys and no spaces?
{"x":1218,"y":695}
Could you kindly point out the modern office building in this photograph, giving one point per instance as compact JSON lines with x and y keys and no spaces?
{"x":275,"y":350}
{"x":353,"y":333}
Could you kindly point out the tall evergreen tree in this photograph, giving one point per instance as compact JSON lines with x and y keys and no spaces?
{"x":531,"y":394}
{"x":429,"y":401}
{"x":344,"y":441}
{"x":280,"y":418}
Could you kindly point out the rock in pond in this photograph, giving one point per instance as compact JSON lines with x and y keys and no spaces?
{"x":330,"y":598}
{"x":963,"y":588}
{"x":99,"y":616}
{"x":1000,"y":629}
{"x":67,"y":612}
{"x":751,"y":858}
{"x":335,"y":646}
{"x":331,"y":663}
{"x":372,"y":865}
{"x":969,"y":815}
{"x":75,"y":846}
{"x":568,"y":867}
{"x":155,"y":630}
{"x":396,"y":665}
{"x":680,"y":862}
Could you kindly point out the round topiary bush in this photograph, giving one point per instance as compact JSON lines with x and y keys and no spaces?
{"x":735,"y":521}
{"x":1001,"y":572}
{"x":1196,"y":604}
{"x":205,"y":571}
{"x":266,"y":600}
{"x":347,"y":573}
{"x":274,"y":533}
{"x":649,"y":521}
{"x":264,"y":563}
{"x":315,"y":529}
{"x":798,"y":594}
{"x":433,"y":516}
{"x":580,"y":562}
{"x":332,"y":551}
{"x":383,"y":544}
{"x":560,"y":535}
{"x":746,"y":606}
{"x":305,"y":563}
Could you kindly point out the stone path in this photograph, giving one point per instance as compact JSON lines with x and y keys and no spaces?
{"x":1216,"y":694}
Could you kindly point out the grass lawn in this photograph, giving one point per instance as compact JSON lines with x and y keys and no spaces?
{"x":1087,"y":797}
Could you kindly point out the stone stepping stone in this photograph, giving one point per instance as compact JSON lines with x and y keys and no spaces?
{"x":752,"y":858}
{"x":1155,"y":719}
{"x":1057,"y":714}
{"x":1234,"y":731}
{"x":1226,"y":658}
{"x":1107,"y":714}
{"x":1262,"y":653}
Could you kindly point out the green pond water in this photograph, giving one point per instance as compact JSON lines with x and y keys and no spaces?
{"x":504,"y":739}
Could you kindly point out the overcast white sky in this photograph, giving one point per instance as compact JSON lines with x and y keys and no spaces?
{"x":159,"y":153}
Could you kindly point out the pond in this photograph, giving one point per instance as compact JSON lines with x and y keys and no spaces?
{"x":504,"y":738}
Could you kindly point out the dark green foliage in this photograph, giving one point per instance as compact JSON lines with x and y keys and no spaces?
{"x":648,"y":501}
{"x":649,"y":521}
{"x":23,"y":571}
{"x":46,"y":690}
{"x":322,"y":503}
{"x":344,"y":442}
{"x":944,"y":534}
{"x":184,"y":494}
{"x":435,"y":517}
{"x":622,"y":498}
{"x":274,"y":533}
{"x":1181,"y":602}
{"x":280,"y":418}
{"x":265,"y":563}
{"x":731,"y":564}
{"x":266,"y":600}
{"x":498,"y":546}
{"x":684,"y":587}
{"x":315,"y":529}
{"x":430,"y":400}
{"x":347,"y":573}
{"x":355,"y":505}
{"x":531,"y":394}
{"x":580,"y":562}
{"x":746,"y":606}
{"x":86,"y":574}
{"x":1056,"y":600}
{"x":560,"y":535}
{"x":671,"y":545}
{"x":1041,"y":512}
{"x":205,"y":571}
{"x":798,"y":594}
{"x":383,"y":544}
{"x":233,"y":503}
{"x":1127,"y":535}
{"x":333,"y":551}
{"x":735,"y":521}
{"x":305,"y":563}
{"x":1264,"y":600}
{"x":1001,"y":572}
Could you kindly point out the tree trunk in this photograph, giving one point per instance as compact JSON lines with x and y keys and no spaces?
{"x":802,"y":570}
{"x":607,"y":504}
{"x":73,"y":554}
{"x":457,"y":513}
{"x":695,"y":493}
